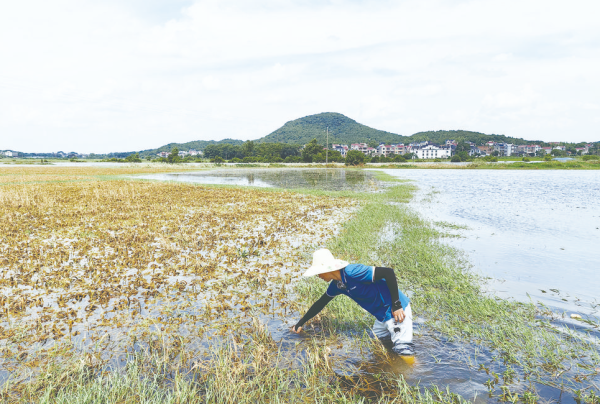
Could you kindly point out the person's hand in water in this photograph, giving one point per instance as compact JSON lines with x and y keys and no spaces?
{"x":399,"y":315}
{"x":294,"y":330}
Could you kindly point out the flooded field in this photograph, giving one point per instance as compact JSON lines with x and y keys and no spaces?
{"x":332,"y":179}
{"x":198,"y":286}
{"x":104,"y":260}
{"x":535,"y":233}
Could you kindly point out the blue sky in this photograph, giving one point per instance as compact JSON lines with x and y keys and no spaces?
{"x":129,"y":75}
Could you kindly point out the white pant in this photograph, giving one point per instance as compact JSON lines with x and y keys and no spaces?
{"x":400,"y":333}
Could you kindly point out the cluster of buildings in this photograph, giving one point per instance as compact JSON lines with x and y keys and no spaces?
{"x":182,"y":153}
{"x":429,"y":150}
{"x":422,"y":150}
{"x":9,"y":153}
{"x":59,"y":154}
{"x":507,"y":149}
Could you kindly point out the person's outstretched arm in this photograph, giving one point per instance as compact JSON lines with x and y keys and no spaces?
{"x":392,"y":284}
{"x":313,"y":311}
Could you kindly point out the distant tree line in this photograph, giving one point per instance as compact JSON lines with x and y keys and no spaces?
{"x":312,"y":152}
{"x":196,"y":145}
{"x":251,"y":151}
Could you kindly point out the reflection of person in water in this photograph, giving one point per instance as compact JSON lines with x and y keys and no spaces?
{"x":375,"y":289}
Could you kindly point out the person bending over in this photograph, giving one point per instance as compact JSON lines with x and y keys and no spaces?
{"x":375,"y":289}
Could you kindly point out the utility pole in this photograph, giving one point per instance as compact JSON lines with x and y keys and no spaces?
{"x":327,"y":147}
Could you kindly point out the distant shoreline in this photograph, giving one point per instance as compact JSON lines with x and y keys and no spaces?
{"x":576,"y":164}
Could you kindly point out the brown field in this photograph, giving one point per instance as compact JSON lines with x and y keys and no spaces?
{"x":102,"y":265}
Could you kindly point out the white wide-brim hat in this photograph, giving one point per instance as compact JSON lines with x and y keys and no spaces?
{"x":323,"y":262}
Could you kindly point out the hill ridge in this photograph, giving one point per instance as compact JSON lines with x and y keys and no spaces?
{"x":194,"y":144}
{"x":343,"y":130}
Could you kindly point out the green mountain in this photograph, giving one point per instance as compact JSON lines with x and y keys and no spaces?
{"x":341,"y":130}
{"x":196,"y":145}
{"x":344,"y":130}
{"x":440,"y":136}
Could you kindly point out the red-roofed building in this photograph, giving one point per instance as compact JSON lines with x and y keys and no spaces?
{"x":363,"y":147}
{"x":359,"y":146}
{"x":399,"y":149}
{"x":384,"y":150}
{"x":342,"y":148}
{"x":485,"y":150}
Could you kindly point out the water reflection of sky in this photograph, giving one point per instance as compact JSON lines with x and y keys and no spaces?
{"x":500,"y":214}
{"x":247,"y":180}
{"x":328,"y":179}
{"x":532,"y":231}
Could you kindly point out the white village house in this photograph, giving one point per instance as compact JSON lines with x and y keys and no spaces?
{"x":432,"y":151}
{"x":362,"y":147}
{"x":528,"y":149}
{"x":342,"y":148}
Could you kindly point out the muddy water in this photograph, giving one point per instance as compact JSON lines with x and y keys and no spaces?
{"x":438,"y":362}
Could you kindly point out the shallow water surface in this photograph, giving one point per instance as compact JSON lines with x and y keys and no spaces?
{"x":536,"y":233}
{"x":333,"y":179}
{"x":511,"y":234}
{"x":511,"y":225}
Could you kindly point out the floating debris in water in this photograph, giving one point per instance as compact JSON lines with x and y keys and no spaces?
{"x":91,"y":263}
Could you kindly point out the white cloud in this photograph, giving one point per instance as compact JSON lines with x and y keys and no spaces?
{"x":503,"y":57}
{"x":502,"y":100}
{"x":211,"y":82}
{"x":127,"y":75}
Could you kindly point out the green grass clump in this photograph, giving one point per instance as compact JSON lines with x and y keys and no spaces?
{"x":542,"y":165}
{"x":253,"y":372}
